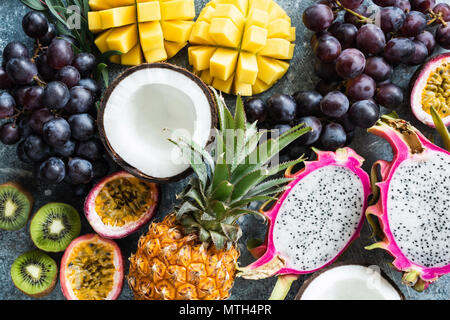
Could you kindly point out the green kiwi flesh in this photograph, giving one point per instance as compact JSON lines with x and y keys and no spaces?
{"x":15,"y":206}
{"x":54,"y":226}
{"x":34,"y":273}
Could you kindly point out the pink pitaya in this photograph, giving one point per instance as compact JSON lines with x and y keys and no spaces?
{"x":413,"y":208}
{"x":315,"y":219}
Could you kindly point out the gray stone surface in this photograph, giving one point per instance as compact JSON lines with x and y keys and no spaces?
{"x":299,"y":77}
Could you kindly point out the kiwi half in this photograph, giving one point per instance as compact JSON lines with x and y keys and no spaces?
{"x":15,"y":206}
{"x":54,"y":226}
{"x":34,"y":273}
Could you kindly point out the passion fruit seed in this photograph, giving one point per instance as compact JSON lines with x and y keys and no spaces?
{"x":123,"y":200}
{"x":437,"y":91}
{"x":91,"y":271}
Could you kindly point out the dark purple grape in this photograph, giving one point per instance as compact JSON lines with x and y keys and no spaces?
{"x":59,"y":54}
{"x":323,"y":87}
{"x":281,"y":108}
{"x":68,"y":75}
{"x":38,"y":118}
{"x":398,"y":50}
{"x":101,"y":168}
{"x":327,"y":48}
{"x":326,"y":71}
{"x":317,"y":35}
{"x":91,"y":149}
{"x":7,"y":105}
{"x":345,"y":122}
{"x":333,"y":28}
{"x":5,"y":82}
{"x":313,"y":135}
{"x":333,"y":136}
{"x":442,"y":9}
{"x":21,"y":153}
{"x":427,"y":38}
{"x":24,"y":125}
{"x":350,"y":63}
{"x":384,"y":3}
{"x":335,"y":104}
{"x":35,"y":24}
{"x":82,"y":126}
{"x":278,"y":130}
{"x":49,"y":36}
{"x":79,"y":171}
{"x":15,"y":49}
{"x":255,"y":110}
{"x":346,"y":34}
{"x":351,"y":18}
{"x":420,"y":54}
{"x":422,"y":5}
{"x":30,"y":97}
{"x":21,"y":70}
{"x":350,"y":136}
{"x":56,"y":132}
{"x":415,"y":23}
{"x":360,"y":88}
{"x":10,"y":133}
{"x":370,"y":39}
{"x":405,"y":5}
{"x":364,"y":113}
{"x":52,"y":170}
{"x":318,"y":17}
{"x":65,"y":150}
{"x":81,"y":100}
{"x":92,"y":86}
{"x":389,"y":96}
{"x":70,"y":39}
{"x":308,"y":103}
{"x":390,"y":19}
{"x":352,"y":4}
{"x":35,"y":148}
{"x":45,"y":71}
{"x":378,"y":69}
{"x":56,"y":95}
{"x":85,"y":63}
{"x":81,"y":190}
{"x":443,"y":36}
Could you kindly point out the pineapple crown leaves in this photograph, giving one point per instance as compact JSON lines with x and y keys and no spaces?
{"x":234,"y":173}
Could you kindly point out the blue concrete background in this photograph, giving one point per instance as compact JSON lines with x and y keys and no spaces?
{"x":299,"y":77}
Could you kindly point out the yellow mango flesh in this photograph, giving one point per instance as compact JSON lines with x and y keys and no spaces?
{"x":250,"y":42}
{"x":147,"y":30}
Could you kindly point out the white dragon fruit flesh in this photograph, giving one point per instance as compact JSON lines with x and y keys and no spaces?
{"x":316,"y":218}
{"x":413,"y":208}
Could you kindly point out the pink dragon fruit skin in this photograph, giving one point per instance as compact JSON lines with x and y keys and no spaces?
{"x":272,"y":262}
{"x":415,"y":145}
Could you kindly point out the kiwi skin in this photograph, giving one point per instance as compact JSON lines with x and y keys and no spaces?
{"x":42,"y":293}
{"x":25,"y":192}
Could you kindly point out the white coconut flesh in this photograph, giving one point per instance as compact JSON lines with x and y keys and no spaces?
{"x":418,"y":206}
{"x":350,"y":282}
{"x":318,"y":217}
{"x":148,"y":108}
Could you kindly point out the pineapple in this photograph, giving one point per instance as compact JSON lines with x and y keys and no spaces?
{"x":192,"y":253}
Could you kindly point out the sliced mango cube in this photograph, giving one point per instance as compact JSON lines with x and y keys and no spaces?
{"x":223,"y":63}
{"x":133,"y":57}
{"x":292,"y":35}
{"x":100,"y":41}
{"x":148,"y":11}
{"x":123,"y":39}
{"x":98,"y":5}
{"x":206,"y":77}
{"x":225,"y":10}
{"x":242,"y":5}
{"x":206,"y":14}
{"x":117,"y":17}
{"x":258,"y":18}
{"x":255,"y":38}
{"x":243,"y":89}
{"x":199,"y":57}
{"x":151,"y":36}
{"x":156,"y":55}
{"x":172,"y":48}
{"x":259,"y":87}
{"x":177,"y":31}
{"x":224,"y":32}
{"x":270,"y":70}
{"x":222,"y":85}
{"x":177,"y":9}
{"x":277,"y":48}
{"x":200,"y":34}
{"x":279,"y":28}
{"x":247,"y":68}
{"x":260,"y":4}
{"x":118,"y":3}
{"x":94,"y":21}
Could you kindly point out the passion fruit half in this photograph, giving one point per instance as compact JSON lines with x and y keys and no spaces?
{"x":120,"y":204}
{"x":430,"y":86}
{"x":91,"y":269}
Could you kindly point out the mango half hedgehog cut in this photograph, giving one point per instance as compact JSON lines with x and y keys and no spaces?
{"x":241,"y":46}
{"x":149,"y":30}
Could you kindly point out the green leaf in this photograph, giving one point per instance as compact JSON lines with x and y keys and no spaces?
{"x":219,"y":208}
{"x":102,"y":72}
{"x":204,"y":235}
{"x":34,"y":4}
{"x":232,"y":232}
{"x":218,"y":239}
{"x":221,"y":106}
{"x":194,"y":195}
{"x":185,"y":208}
{"x":248,"y":182}
{"x":55,"y":13}
{"x":104,"y":57}
{"x":246,"y":201}
{"x":239,"y":114}
{"x":441,"y":128}
{"x":267,"y":185}
{"x":221,"y":172}
{"x":223,"y":191}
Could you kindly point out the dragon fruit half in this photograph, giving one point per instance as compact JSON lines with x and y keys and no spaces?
{"x":315,"y":219}
{"x":413,"y":205}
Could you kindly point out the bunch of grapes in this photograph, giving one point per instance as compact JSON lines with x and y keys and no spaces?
{"x":356,"y":53}
{"x":49,"y":103}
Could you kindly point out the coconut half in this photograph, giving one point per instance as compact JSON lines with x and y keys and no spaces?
{"x":349,"y":282}
{"x":145,"y":107}
{"x":434,"y":75}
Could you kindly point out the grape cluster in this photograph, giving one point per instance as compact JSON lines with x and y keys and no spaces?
{"x":49,"y":100}
{"x":356,"y":52}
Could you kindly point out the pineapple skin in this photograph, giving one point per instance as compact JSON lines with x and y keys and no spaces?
{"x":169,"y":265}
